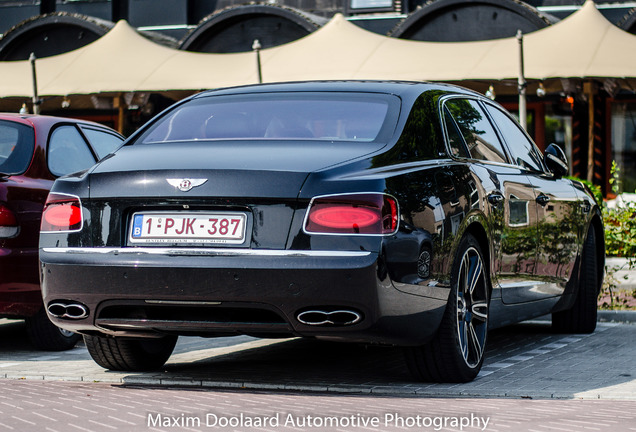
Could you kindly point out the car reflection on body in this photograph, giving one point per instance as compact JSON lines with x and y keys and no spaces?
{"x":406,"y":214}
{"x":34,"y":151}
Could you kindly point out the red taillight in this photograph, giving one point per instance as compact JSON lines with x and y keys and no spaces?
{"x":7,"y":218}
{"x":8,"y":223}
{"x":368,"y":213}
{"x":61,"y":213}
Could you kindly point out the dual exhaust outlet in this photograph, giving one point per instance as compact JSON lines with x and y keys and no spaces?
{"x":316,"y":317}
{"x":68,"y":310}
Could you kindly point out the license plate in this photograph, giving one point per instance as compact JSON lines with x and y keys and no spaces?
{"x":228,"y":228}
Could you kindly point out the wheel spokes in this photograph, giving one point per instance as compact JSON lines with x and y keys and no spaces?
{"x":463,"y":339}
{"x":472,"y":307}
{"x":480,"y":311}
{"x":475,"y":272}
{"x":476,"y":342}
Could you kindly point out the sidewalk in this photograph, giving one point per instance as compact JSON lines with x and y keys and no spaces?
{"x":626,"y":278}
{"x":523,"y":361}
{"x":617,"y":316}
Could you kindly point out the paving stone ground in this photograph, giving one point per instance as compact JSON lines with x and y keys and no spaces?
{"x":523,"y":361}
{"x":56,"y":406}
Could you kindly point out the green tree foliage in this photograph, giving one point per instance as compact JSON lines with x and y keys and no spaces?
{"x":620,"y":223}
{"x":620,"y":241}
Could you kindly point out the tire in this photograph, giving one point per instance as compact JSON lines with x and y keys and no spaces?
{"x":130,"y":355}
{"x":581,"y":317}
{"x":456,"y":352}
{"x":47,"y":336}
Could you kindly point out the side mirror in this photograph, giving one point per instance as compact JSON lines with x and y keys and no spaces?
{"x":556,"y":161}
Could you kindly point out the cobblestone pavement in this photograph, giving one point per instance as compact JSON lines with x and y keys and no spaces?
{"x":29,"y":405}
{"x":527,"y":361}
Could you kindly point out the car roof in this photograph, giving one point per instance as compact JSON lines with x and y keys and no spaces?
{"x":33,"y":119}
{"x":44,"y":121}
{"x":18,"y":118}
{"x":405,"y":88}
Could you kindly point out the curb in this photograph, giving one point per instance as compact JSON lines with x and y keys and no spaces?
{"x":625,"y":316}
{"x":616,"y":316}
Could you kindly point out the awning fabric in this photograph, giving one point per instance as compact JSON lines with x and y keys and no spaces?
{"x":583,"y":45}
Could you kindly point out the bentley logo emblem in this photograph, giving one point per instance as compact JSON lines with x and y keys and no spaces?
{"x":186,"y":184}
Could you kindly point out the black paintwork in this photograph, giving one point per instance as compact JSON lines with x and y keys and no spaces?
{"x":532,"y":249}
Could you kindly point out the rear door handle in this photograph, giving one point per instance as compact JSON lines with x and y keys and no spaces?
{"x":495,"y":198}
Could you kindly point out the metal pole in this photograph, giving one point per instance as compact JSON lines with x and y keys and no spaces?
{"x":589,"y":90}
{"x":36,"y":99}
{"x":521,"y":85}
{"x":120,"y":103}
{"x":256,"y":46}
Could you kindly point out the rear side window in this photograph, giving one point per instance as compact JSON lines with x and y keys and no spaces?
{"x":68,"y":151}
{"x":523,"y":151}
{"x":480,"y":137}
{"x":17,"y":142}
{"x":103,"y":142}
{"x":455,"y":140}
{"x":296,"y":116}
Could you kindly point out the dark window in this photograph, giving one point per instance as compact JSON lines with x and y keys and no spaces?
{"x":422,"y":135}
{"x":480,"y":137}
{"x":297,"y":116}
{"x":103,"y":142}
{"x":455,"y":140}
{"x":68,"y":152}
{"x":17,"y":142}
{"x":523,"y":151}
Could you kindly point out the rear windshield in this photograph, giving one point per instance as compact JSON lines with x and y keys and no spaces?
{"x":16,"y":147}
{"x":296,"y":116}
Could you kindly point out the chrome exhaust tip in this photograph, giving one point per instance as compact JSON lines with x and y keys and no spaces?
{"x":329,"y":318}
{"x":70,"y":310}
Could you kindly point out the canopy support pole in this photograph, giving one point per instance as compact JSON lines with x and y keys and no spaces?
{"x":120,"y":104}
{"x":36,"y":100}
{"x":256,"y":46}
{"x":521,"y":85}
{"x":589,"y":90}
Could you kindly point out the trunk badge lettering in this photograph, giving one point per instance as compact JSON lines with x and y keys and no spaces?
{"x":186,"y":184}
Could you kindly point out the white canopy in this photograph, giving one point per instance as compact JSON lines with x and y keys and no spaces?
{"x":582,"y":45}
{"x":124,"y":61}
{"x":342,"y":50}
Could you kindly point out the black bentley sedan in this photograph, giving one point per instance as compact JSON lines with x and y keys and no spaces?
{"x":406,"y":214}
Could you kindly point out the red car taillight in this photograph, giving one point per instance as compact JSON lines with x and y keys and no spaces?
{"x":8,"y":222}
{"x":366,"y":213}
{"x":62,"y":213}
{"x":7,"y":218}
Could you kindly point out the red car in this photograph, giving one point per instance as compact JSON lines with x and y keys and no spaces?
{"x":34,"y":151}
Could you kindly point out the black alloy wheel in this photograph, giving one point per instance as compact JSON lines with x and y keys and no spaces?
{"x":456,"y":352}
{"x":472,"y":308}
{"x":424,"y":264}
